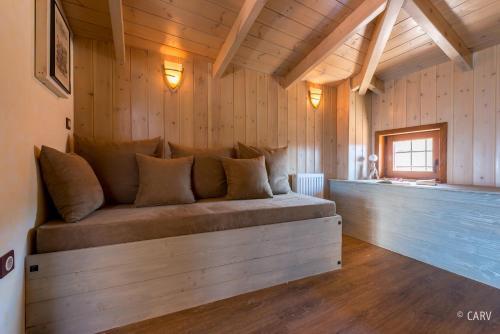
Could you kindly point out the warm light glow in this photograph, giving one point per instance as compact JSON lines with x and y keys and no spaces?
{"x":173,"y":74}
{"x":315,"y":97}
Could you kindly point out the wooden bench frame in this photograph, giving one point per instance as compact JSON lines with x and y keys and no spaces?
{"x":95,"y":289}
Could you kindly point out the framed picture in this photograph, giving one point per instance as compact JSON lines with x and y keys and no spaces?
{"x":60,"y":48}
{"x":53,"y":63}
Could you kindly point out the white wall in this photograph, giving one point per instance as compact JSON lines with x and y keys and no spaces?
{"x":29,"y":115}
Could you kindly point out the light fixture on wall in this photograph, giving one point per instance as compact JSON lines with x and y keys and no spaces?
{"x":315,"y":95}
{"x":173,"y":74}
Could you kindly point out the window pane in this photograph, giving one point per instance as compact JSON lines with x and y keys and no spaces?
{"x":402,"y":146}
{"x":418,"y":159}
{"x":402,"y":160}
{"x":429,"y":144}
{"x":418,"y":145}
{"x":429,"y":163}
{"x":413,"y":154}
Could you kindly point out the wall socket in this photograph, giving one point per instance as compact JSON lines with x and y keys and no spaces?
{"x":6,"y":263}
{"x":68,"y":123}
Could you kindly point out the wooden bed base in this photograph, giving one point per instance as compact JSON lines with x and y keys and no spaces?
{"x":95,"y":289}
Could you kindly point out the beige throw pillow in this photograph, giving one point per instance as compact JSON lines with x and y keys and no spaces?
{"x":115,"y":165}
{"x":209,"y":179}
{"x":276,"y":165}
{"x":247,"y":178}
{"x":71,"y":183}
{"x":164,"y":182}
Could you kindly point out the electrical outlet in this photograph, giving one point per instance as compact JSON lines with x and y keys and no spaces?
{"x":6,"y":263}
{"x":68,"y":123}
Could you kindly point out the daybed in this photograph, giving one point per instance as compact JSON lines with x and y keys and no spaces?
{"x":123,"y":264}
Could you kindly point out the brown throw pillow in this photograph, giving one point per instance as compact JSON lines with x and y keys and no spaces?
{"x":71,"y":183}
{"x":209,"y":179}
{"x":247,"y":178}
{"x":276,"y":165}
{"x":115,"y":164}
{"x":164,"y":182}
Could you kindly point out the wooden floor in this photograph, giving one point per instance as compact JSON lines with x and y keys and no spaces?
{"x":376,"y":291}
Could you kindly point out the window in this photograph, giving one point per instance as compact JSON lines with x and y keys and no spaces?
{"x":413,"y":153}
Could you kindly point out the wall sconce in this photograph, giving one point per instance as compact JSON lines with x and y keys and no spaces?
{"x":315,"y":96}
{"x":173,"y":74}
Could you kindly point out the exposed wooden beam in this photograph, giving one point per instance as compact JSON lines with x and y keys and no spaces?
{"x":361,"y":16}
{"x":246,"y":18}
{"x":116,"y":13}
{"x":381,"y":34}
{"x":441,"y":32}
{"x":375,"y":85}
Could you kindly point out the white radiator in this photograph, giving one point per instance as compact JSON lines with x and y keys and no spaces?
{"x":308,"y":184}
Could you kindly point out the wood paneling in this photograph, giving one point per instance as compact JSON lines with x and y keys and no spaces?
{"x":382,"y":284}
{"x":468,"y":101}
{"x":410,"y":48}
{"x":94,"y":289}
{"x":485,"y":80}
{"x":282,"y":35}
{"x":354,"y":126}
{"x":131,"y":101}
{"x":451,"y":227}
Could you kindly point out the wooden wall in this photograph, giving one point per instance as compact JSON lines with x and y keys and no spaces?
{"x":468,"y":101}
{"x":451,"y":227}
{"x":354,"y":133}
{"x":132,"y":102}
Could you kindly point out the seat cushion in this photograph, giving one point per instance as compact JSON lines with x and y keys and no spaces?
{"x":124,"y":223}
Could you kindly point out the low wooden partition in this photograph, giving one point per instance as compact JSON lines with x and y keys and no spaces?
{"x":456,"y":228}
{"x":94,"y":289}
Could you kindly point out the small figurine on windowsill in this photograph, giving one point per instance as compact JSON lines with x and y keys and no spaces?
{"x":373,"y":167}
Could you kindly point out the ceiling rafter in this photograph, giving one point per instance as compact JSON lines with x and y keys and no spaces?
{"x":440,"y":31}
{"x":375,"y":85}
{"x":365,"y":79}
{"x":361,"y":16}
{"x":116,"y":15}
{"x":246,"y":18}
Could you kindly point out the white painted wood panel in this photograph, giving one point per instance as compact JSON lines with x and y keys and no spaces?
{"x":468,"y":101}
{"x":95,"y":289}
{"x":456,"y":230}
{"x":354,"y":128}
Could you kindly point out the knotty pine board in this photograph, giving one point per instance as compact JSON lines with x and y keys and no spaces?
{"x":468,"y":101}
{"x":132,"y":102}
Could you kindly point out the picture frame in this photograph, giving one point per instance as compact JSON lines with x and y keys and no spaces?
{"x":60,"y":48}
{"x":53,"y":47}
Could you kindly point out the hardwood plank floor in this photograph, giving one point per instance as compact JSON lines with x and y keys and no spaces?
{"x":376,"y":291}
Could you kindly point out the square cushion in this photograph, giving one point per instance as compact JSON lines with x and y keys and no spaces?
{"x":71,"y":183}
{"x":276,"y":165}
{"x":115,"y":165}
{"x":164,"y":182}
{"x":247,"y":178}
{"x":209,"y":179}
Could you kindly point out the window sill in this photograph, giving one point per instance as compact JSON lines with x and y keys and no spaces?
{"x":439,"y":186}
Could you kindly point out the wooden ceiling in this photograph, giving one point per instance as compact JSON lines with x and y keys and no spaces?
{"x":284,"y":32}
